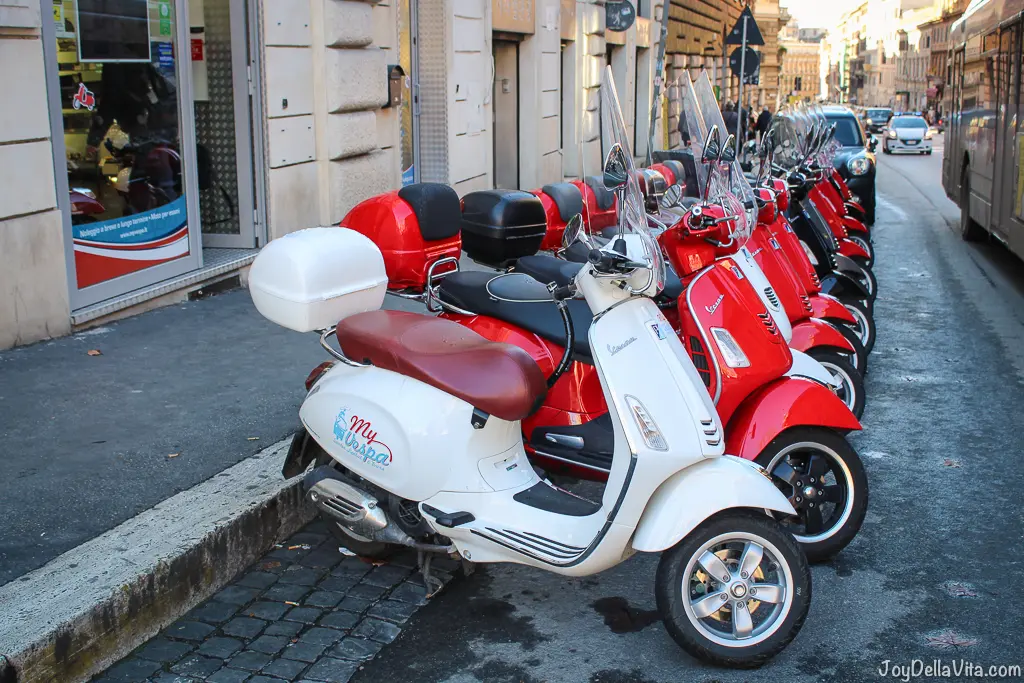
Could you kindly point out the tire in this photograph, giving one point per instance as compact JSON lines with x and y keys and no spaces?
{"x":864,"y":243}
{"x":839,"y":365}
{"x":797,"y":447}
{"x":711,"y":638}
{"x":885,"y":149}
{"x":970,"y":230}
{"x":868,"y":279}
{"x":363,"y":547}
{"x":929,"y":152}
{"x":860,"y":352}
{"x":865,"y":329}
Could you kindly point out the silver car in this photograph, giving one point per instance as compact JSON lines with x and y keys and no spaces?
{"x":907,"y":134}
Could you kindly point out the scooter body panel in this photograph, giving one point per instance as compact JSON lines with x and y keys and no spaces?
{"x":805,"y":366}
{"x":556,"y":226}
{"x":772,"y":261}
{"x":813,"y":333}
{"x":851,"y":249}
{"x":375,"y":423}
{"x":745,"y":260}
{"x":854,"y":225}
{"x":721,"y":297}
{"x":759,"y":420}
{"x":688,"y":498}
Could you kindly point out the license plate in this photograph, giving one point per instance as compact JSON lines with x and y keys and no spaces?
{"x":912,"y":142}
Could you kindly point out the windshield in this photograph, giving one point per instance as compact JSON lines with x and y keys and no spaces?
{"x":877,"y":115}
{"x":847,"y":131}
{"x":735,"y":181}
{"x":787,"y":139}
{"x":908,"y":122}
{"x":632,"y":216}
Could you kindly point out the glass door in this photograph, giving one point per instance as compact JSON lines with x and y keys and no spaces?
{"x":123,"y":144}
{"x":410,"y":110}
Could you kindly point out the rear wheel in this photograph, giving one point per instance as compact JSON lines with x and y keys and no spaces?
{"x":735,"y":591}
{"x":360,"y":545}
{"x":970,"y":229}
{"x":864,"y":243}
{"x":824,"y":479}
{"x":851,"y":390}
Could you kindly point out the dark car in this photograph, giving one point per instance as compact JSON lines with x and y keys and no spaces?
{"x":855,"y":160}
{"x":876,"y":118}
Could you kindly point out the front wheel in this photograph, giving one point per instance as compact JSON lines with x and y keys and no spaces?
{"x":824,"y":479}
{"x":864,"y":328}
{"x":851,"y":380}
{"x":735,"y":591}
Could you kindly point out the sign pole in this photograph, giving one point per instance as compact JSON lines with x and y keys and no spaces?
{"x":660,"y":75}
{"x":743,"y":75}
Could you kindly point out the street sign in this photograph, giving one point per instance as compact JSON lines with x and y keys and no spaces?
{"x":747,"y":66}
{"x":753,"y":34}
{"x":619,"y":15}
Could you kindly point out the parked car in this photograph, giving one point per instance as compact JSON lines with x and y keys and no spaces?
{"x":856,"y":160}
{"x":876,"y":119}
{"x":907,"y":134}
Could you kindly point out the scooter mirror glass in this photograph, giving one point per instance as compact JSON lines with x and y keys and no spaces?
{"x":712,"y":146}
{"x":673,"y":195}
{"x":729,"y":150}
{"x":615,"y":171}
{"x":575,"y":231}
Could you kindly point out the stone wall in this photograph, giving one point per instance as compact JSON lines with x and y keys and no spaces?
{"x":34,"y":301}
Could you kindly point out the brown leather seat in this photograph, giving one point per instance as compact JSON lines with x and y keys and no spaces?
{"x":499,"y":379}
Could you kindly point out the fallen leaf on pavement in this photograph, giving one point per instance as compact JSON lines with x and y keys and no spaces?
{"x":94,"y":352}
{"x":947,"y":639}
{"x":289,"y":602}
{"x":270,"y":565}
{"x":173,"y":455}
{"x":950,"y":462}
{"x":253,"y":438}
{"x":960,"y":589}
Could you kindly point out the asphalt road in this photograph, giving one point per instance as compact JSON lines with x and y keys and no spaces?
{"x":936,"y":570}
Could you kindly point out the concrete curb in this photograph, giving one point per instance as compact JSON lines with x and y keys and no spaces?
{"x":93,"y":605}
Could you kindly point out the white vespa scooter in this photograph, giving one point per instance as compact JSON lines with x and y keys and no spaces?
{"x":426,"y":411}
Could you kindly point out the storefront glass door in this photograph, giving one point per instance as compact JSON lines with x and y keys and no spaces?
{"x":116,"y":91}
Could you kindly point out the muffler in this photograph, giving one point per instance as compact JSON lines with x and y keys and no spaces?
{"x":341,"y":501}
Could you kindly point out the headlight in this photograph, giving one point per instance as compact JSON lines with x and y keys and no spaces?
{"x":870,"y":122}
{"x":891,"y":134}
{"x":859,"y":166}
{"x":928,"y":135}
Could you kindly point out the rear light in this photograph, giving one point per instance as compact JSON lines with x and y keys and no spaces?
{"x":318,"y":371}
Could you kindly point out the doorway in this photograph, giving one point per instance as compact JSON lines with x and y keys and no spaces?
{"x":223,"y":109}
{"x":409,"y":121}
{"x":506,"y":114}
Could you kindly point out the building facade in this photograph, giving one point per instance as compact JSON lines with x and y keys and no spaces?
{"x":800,"y":78}
{"x":771,"y":19}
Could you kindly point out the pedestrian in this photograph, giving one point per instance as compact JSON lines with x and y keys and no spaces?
{"x":730,"y":118}
{"x":764,"y":121}
{"x":683,"y":129}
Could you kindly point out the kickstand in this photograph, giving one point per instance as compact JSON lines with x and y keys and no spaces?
{"x":432,"y":583}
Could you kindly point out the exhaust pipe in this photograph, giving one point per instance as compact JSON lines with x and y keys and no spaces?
{"x":342,"y":502}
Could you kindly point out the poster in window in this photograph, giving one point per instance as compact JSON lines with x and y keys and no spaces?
{"x":113,"y":31}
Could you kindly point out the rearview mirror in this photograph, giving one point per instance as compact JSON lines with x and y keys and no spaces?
{"x":712,"y":146}
{"x":673,"y":195}
{"x":574,"y":232}
{"x":729,"y":150}
{"x":616,"y":172}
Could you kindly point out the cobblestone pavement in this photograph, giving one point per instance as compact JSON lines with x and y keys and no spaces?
{"x":305,"y":612}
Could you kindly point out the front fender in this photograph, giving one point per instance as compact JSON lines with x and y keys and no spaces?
{"x":805,"y":366}
{"x":813,"y":333}
{"x":690,"y":496}
{"x":853,"y":225}
{"x":824,"y":306}
{"x":840,"y":284}
{"x":785,"y":403}
{"x":851,"y":249}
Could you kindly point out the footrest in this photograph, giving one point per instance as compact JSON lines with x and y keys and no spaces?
{"x":449,"y":520}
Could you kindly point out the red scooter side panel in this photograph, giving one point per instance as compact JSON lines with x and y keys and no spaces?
{"x":556,"y":226}
{"x":855,"y":206}
{"x":827,"y":307}
{"x":770,"y":258}
{"x":848,"y":247}
{"x":720,"y":297}
{"x":844,"y":189}
{"x":814,"y":333}
{"x":760,"y":419}
{"x":802,"y":266}
{"x":390,"y":222}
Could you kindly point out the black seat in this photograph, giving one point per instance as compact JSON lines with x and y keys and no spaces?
{"x":677,"y":169}
{"x":437,"y":209}
{"x":545,"y":269}
{"x":468,"y":290}
{"x":605,"y":197}
{"x":567,"y":197}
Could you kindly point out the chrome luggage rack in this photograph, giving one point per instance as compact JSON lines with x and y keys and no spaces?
{"x":429,"y":295}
